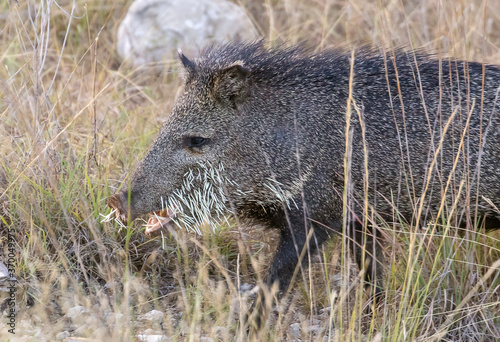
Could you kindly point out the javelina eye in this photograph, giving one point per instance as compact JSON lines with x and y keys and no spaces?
{"x":195,"y":142}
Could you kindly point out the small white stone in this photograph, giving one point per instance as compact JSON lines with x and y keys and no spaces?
{"x":153,"y":315}
{"x":295,"y":329}
{"x":152,"y":336}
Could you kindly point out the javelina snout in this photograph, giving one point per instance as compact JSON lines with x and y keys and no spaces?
{"x":119,"y":203}
{"x":116,"y":203}
{"x":260,"y":134}
{"x":125,"y":205}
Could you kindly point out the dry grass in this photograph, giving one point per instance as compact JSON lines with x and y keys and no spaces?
{"x":74,"y":120}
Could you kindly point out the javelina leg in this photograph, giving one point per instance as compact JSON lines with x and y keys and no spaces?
{"x":282,"y":268}
{"x":368,"y":254}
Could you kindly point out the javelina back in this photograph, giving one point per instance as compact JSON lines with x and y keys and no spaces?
{"x":260,"y":134}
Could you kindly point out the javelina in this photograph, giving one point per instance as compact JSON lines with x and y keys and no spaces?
{"x":261,"y":134}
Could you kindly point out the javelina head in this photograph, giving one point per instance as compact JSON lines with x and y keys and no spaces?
{"x":190,"y":168}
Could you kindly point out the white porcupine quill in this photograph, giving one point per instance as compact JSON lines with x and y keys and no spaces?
{"x":207,"y":203}
{"x":112,"y":217}
{"x":193,"y":205}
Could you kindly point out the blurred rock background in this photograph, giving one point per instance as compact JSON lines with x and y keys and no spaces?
{"x":154,"y":29}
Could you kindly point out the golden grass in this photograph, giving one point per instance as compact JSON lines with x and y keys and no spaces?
{"x":74,"y":121}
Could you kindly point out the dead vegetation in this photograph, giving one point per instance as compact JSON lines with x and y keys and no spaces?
{"x":74,"y":121}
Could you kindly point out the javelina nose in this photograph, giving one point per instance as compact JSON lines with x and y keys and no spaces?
{"x":118,"y":203}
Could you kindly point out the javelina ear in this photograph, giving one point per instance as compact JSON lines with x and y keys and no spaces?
{"x":233,"y":83}
{"x":188,"y":67}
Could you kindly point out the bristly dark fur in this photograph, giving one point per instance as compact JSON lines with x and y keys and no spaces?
{"x":424,"y":143}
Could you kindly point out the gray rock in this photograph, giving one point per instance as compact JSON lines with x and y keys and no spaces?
{"x":75,"y":311}
{"x":295,"y":329}
{"x":156,"y":29}
{"x":153,"y":315}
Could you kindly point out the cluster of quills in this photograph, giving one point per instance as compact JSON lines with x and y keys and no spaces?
{"x":201,"y":200}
